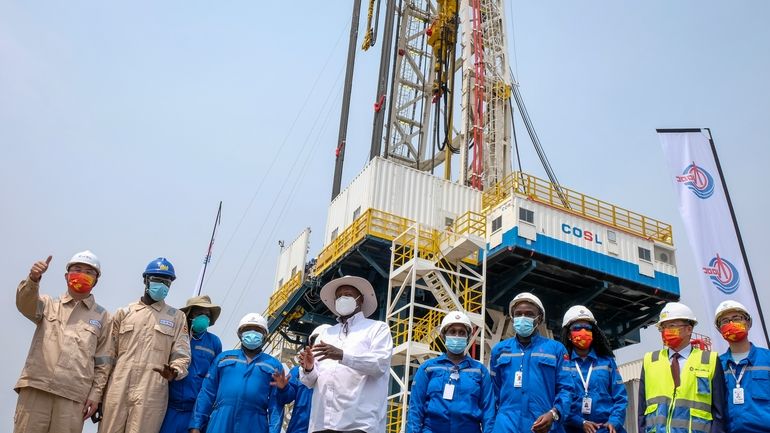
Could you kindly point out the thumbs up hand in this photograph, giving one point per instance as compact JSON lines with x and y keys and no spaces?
{"x":38,"y":269}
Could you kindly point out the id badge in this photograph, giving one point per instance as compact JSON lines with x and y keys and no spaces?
{"x":586,"y":407}
{"x":518,"y":379}
{"x":449,"y":391}
{"x":738,"y":396}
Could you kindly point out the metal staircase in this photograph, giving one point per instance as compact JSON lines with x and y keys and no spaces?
{"x":431,"y":273}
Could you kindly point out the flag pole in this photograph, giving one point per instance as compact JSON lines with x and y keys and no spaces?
{"x":738,"y":235}
{"x":207,"y":259}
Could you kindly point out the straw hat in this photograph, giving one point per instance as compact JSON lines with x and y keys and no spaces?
{"x":203,"y":301}
{"x":328,"y":293}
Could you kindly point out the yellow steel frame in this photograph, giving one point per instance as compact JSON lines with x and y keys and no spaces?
{"x":281,"y":296}
{"x":406,"y":324}
{"x":576,"y":203}
{"x":386,"y":226}
{"x":394,"y":417}
{"x":423,"y":328}
{"x":372,"y":222}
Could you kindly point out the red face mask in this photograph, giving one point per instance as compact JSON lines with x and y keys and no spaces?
{"x":734,"y":332}
{"x":582,"y":338}
{"x":672,"y":337}
{"x":79,"y":282}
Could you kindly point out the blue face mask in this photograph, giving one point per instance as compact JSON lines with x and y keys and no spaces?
{"x":456,"y":345}
{"x":524,"y":326}
{"x":200,"y":323}
{"x":157,"y":291}
{"x":251,"y":339}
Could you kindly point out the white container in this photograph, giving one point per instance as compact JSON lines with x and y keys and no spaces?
{"x":402,"y":191}
{"x":292,"y":260}
{"x":524,"y":223}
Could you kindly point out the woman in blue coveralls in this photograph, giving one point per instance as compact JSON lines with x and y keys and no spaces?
{"x":452,"y":393}
{"x":244,"y":388}
{"x":601,"y":399}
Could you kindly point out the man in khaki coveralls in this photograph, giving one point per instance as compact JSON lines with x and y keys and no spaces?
{"x":69,"y":359}
{"x":151,"y":346}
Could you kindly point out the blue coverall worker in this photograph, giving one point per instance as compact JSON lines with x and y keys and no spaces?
{"x":600,"y":400}
{"x":204,"y":347}
{"x":244,"y":388}
{"x":531,"y":377}
{"x":452,"y":393}
{"x":301,"y":395}
{"x":692,"y":401}
{"x":747,"y":371}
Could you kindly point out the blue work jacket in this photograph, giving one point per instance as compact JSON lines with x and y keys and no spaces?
{"x":301,"y":396}
{"x":471,"y":408}
{"x":546,"y":383}
{"x":182,"y":393}
{"x":753,"y":416}
{"x":237,"y":397}
{"x":606,"y":390}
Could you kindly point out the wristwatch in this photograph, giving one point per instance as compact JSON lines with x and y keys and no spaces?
{"x":555,"y":414}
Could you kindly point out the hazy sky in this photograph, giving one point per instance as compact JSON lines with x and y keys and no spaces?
{"x":123,"y":125}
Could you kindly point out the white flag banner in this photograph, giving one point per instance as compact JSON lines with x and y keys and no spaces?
{"x":708,"y":219}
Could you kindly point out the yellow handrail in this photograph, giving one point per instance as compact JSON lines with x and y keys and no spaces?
{"x":281,"y":296}
{"x":372,"y":222}
{"x":574,"y":202}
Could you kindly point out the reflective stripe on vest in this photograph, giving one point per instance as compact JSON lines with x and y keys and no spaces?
{"x":685,"y":409}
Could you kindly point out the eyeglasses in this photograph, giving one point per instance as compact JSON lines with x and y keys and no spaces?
{"x":83,"y":270}
{"x":579,"y":326}
{"x":669,"y":325}
{"x":154,"y":279}
{"x":740,"y":318}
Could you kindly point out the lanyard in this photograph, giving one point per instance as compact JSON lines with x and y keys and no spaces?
{"x":587,"y":377}
{"x":740,"y":376}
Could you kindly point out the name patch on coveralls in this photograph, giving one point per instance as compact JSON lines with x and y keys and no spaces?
{"x":168,"y":323}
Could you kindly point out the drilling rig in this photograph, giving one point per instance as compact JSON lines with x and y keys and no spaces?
{"x":438,"y":220}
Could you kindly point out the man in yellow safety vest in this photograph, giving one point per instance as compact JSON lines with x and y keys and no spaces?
{"x":682,"y":388}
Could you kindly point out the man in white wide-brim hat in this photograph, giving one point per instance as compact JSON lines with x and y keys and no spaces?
{"x":347,"y":367}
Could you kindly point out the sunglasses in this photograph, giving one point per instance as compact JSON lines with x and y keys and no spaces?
{"x":153,"y":279}
{"x":579,"y":326}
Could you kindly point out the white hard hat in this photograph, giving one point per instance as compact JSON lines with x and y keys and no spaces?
{"x":729,"y":305}
{"x":575,"y":313}
{"x":453,"y":317}
{"x":87,"y":258}
{"x":319,"y":329}
{"x":676,"y":310}
{"x":253,"y":319}
{"x":526,"y":297}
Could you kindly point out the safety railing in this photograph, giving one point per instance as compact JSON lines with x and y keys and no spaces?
{"x":387,"y":226}
{"x":577,"y":203}
{"x":372,"y":222}
{"x":471,"y":223}
{"x":395,"y":412}
{"x":470,"y":296}
{"x":423,"y":240}
{"x":281,"y":296}
{"x":424,"y":328}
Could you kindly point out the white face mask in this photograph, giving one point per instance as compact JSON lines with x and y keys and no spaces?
{"x":345,"y":305}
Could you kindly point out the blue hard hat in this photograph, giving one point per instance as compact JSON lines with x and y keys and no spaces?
{"x":161,"y":267}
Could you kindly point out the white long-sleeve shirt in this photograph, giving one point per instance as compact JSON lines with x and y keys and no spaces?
{"x":351,"y":394}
